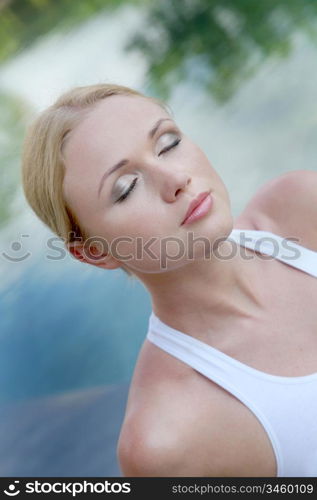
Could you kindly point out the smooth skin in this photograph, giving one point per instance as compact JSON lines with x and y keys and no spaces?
{"x":177,"y":422}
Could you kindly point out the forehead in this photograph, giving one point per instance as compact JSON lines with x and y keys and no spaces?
{"x":115,"y":116}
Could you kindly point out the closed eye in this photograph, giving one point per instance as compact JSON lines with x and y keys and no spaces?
{"x":128,"y":191}
{"x":170,"y":146}
{"x":133,"y":183}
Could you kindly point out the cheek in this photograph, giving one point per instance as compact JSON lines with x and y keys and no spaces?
{"x":138,"y":224}
{"x":152,"y":254}
{"x":204,"y":162}
{"x":132,"y":223}
{"x":196,"y":161}
{"x":205,"y":167}
{"x":142,"y":215}
{"x":146,"y":236}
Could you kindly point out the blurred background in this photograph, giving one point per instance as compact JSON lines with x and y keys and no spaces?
{"x":241,"y":79}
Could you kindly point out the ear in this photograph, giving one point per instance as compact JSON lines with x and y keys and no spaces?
{"x":92,"y":255}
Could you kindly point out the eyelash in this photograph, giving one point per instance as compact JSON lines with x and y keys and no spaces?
{"x":133,"y":183}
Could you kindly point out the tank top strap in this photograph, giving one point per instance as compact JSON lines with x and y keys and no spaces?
{"x":284,"y":249}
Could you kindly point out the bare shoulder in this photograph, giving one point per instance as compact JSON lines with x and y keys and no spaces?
{"x":167,"y":441}
{"x":287,"y":205}
{"x":160,"y":425}
{"x":181,"y":424}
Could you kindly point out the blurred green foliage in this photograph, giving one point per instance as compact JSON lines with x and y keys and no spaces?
{"x":218,"y":43}
{"x":13,"y":116}
{"x":215,"y":43}
{"x":23,"y":21}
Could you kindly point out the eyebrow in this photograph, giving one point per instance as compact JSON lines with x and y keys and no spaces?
{"x":123,"y":162}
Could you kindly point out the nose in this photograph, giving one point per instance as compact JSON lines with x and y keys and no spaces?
{"x":173,"y":184}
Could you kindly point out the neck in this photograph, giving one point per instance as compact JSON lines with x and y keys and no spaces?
{"x":213,"y":291}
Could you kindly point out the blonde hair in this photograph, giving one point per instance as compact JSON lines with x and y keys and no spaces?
{"x":42,"y":159}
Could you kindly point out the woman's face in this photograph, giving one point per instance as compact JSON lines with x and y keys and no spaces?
{"x":130,"y":176}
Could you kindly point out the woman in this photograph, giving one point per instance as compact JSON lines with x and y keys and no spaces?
{"x":225,"y":381}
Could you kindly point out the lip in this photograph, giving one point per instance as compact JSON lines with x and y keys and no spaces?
{"x":194,"y":204}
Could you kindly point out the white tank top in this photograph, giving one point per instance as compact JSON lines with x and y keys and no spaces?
{"x":285,"y":406}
